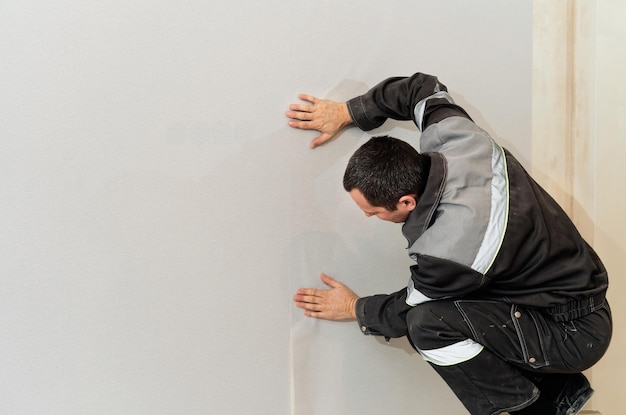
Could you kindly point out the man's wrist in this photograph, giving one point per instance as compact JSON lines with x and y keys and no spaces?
{"x":346,"y":117}
{"x":352,"y":307}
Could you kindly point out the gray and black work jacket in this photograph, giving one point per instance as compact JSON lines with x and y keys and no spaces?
{"x":483,"y":228}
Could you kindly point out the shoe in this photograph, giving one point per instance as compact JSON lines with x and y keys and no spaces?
{"x":574,"y":395}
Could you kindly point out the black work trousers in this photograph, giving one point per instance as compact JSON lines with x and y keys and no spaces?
{"x":519,"y":346}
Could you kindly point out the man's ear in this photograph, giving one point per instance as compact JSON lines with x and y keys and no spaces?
{"x":407,"y":202}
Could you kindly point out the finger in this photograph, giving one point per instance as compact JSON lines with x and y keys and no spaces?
{"x":315,"y":142}
{"x":302,"y":305}
{"x":308,"y":98}
{"x":319,"y":140}
{"x":315,"y":314}
{"x":302,"y":125}
{"x":309,"y":306}
{"x":306,"y":299}
{"x":298,"y":299}
{"x":308,"y":294}
{"x":301,"y":108}
{"x":304,"y":291}
{"x":331,"y":282}
{"x":298,"y":115}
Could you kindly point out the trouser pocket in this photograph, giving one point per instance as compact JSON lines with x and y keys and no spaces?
{"x":515,"y":334}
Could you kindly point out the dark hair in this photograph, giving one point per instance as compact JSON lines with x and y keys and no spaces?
{"x":384,"y":169}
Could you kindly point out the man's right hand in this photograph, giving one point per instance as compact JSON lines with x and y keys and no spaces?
{"x":323,"y":115}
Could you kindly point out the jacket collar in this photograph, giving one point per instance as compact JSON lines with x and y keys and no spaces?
{"x":423,"y":215}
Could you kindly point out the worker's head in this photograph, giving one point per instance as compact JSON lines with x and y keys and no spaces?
{"x":386,"y":177}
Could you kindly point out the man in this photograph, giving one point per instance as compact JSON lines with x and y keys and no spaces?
{"x":502,"y":280}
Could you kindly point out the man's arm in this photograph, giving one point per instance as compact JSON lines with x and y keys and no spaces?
{"x":420,"y":98}
{"x":380,"y":315}
{"x":383,"y":314}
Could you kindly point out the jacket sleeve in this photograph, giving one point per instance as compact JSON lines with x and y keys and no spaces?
{"x":436,"y":278}
{"x":383,"y":314}
{"x":420,"y":98}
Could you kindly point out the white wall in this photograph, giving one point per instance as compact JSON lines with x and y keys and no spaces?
{"x":157,"y":213}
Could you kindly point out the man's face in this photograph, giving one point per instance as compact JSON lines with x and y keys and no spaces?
{"x":405,"y":205}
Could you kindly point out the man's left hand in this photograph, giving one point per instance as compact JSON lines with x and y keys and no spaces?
{"x":336,"y":303}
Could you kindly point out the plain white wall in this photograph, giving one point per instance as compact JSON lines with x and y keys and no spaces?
{"x":157,"y":213}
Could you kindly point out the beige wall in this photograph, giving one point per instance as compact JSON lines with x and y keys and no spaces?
{"x":610,"y":229}
{"x":579,"y":142}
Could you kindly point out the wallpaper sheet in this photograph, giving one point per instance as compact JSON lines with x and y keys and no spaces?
{"x":158,"y":214}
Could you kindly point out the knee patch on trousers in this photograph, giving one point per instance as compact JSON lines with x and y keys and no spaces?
{"x":433,"y":337}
